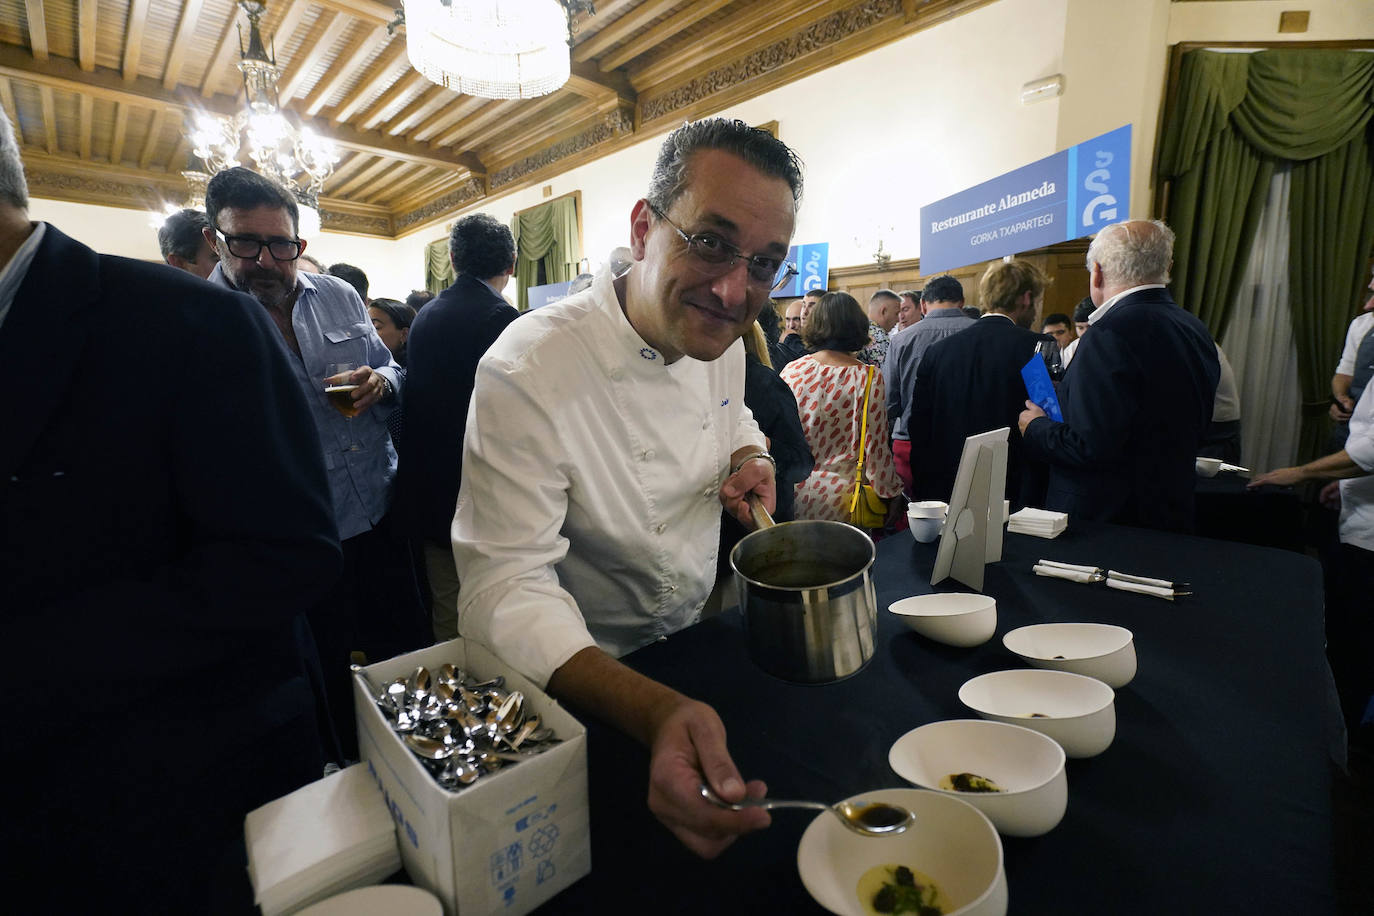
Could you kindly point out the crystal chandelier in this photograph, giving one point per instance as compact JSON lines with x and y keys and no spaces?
{"x":496,"y":49}
{"x":298,"y":158}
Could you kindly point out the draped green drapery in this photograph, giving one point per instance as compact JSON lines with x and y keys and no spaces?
{"x":1237,"y":116}
{"x":439,"y":274}
{"x":546,"y":234}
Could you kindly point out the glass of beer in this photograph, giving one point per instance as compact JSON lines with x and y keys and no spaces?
{"x":339,"y":389}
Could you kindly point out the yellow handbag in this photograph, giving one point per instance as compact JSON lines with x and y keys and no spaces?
{"x":866,"y":508}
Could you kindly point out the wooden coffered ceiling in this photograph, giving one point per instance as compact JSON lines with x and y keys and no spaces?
{"x":101,"y":91}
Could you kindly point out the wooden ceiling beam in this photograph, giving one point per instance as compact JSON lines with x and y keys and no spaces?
{"x":422,"y":103}
{"x":751,"y":24}
{"x":176,"y":163}
{"x":151,"y":139}
{"x":492,"y":112}
{"x":695,"y":11}
{"x":171,"y":74}
{"x":423,"y":194}
{"x":379,"y":144}
{"x":121,"y":125}
{"x":605,"y":9}
{"x":7,"y":103}
{"x":84,"y":129}
{"x":323,"y":36}
{"x":363,"y":177}
{"x":49,"y":119}
{"x":366,"y":10}
{"x":144,"y":92}
{"x":368,"y":82}
{"x":219,"y":61}
{"x":133,"y":38}
{"x":376,"y":112}
{"x":413,"y":182}
{"x":85,"y":42}
{"x":530,"y":112}
{"x":386,"y":185}
{"x":587,"y":81}
{"x":446,"y":117}
{"x":619,"y":29}
{"x":354,"y":162}
{"x":38,"y":29}
{"x":347,"y":63}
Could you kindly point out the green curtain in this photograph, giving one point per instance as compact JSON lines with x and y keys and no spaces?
{"x":439,"y":274}
{"x":546,"y":234}
{"x":1236,"y":117}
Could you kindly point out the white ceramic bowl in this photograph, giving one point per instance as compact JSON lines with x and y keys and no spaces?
{"x":1208,"y":467}
{"x":1028,"y":766}
{"x":955,"y":618}
{"x":925,"y":530}
{"x":1098,"y":650}
{"x":952,"y":842}
{"x":1077,"y":711}
{"x":929,"y":508}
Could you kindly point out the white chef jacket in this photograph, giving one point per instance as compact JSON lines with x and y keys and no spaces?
{"x":1357,"y":493}
{"x":588,"y":512}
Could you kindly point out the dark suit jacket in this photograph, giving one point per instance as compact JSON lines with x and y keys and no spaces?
{"x":1137,"y":399}
{"x":164,"y":518}
{"x":446,"y":340}
{"x":969,"y":383}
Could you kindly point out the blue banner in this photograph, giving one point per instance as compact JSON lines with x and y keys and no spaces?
{"x":813,"y":270}
{"x":550,"y":292}
{"x":1071,"y":194}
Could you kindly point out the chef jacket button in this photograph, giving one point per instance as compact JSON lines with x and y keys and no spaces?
{"x":617,"y":374}
{"x":647,"y":455}
{"x":660,"y":529}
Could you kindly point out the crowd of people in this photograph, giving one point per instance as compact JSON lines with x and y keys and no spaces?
{"x":549,"y":484}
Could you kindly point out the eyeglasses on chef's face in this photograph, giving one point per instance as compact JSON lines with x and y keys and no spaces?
{"x":715,"y":256}
{"x":248,"y":247}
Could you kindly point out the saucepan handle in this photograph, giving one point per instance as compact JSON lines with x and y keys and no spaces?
{"x":762,"y":519}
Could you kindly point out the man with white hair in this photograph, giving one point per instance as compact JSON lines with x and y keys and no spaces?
{"x":1140,"y":396}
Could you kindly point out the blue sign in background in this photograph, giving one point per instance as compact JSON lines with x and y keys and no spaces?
{"x":538,"y":296}
{"x":813,"y":270}
{"x":1073,"y":193}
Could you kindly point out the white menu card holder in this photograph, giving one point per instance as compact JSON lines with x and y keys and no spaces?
{"x":973,"y":527}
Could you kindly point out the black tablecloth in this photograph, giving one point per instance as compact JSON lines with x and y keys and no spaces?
{"x":1266,"y":516}
{"x":1214,"y":796}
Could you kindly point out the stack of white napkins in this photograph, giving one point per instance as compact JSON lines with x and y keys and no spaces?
{"x":1040,"y":522}
{"x":330,"y":836}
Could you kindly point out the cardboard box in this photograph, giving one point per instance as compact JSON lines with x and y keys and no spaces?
{"x":511,"y":840}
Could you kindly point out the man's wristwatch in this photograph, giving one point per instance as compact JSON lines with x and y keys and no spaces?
{"x":387,"y":389}
{"x":748,"y":458}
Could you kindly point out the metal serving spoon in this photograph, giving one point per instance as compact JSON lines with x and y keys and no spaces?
{"x":873,"y":819}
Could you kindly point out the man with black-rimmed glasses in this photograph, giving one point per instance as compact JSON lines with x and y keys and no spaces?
{"x":376,"y":607}
{"x":605,"y":433}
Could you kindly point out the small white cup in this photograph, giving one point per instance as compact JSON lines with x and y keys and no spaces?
{"x":930,"y":508}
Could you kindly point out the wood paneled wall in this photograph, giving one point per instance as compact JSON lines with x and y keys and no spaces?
{"x":1063,"y":263}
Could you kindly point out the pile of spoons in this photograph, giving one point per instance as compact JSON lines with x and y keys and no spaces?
{"x":462,"y":728}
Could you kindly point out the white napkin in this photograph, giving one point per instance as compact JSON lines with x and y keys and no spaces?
{"x":1140,"y":589}
{"x":332,"y":835}
{"x":1038,"y":522}
{"x":1073,"y":575}
{"x":1074,"y":567}
{"x":1141,"y":580}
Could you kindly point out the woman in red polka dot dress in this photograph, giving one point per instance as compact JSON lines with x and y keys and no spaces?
{"x":829,"y":387}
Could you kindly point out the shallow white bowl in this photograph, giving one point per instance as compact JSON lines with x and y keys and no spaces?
{"x":1098,"y":650}
{"x":955,"y":619}
{"x":951,"y":841}
{"x":1079,"y":712}
{"x":1026,"y":764}
{"x":1208,"y":467}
